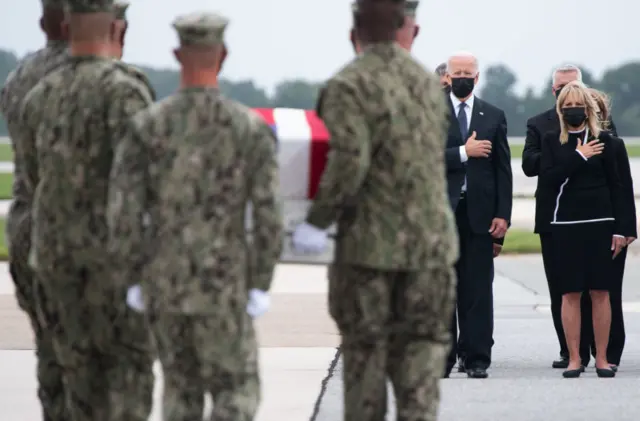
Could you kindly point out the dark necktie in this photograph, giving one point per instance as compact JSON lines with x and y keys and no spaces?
{"x":462,"y":122}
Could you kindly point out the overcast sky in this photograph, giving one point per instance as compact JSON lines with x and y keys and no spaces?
{"x":271,"y":40}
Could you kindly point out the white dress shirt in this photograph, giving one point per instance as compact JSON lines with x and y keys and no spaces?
{"x":468,"y":109}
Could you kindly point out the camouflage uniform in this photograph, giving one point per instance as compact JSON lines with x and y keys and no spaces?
{"x":67,"y":149}
{"x":180,"y":187}
{"x":29,"y":293}
{"x":391,"y":285}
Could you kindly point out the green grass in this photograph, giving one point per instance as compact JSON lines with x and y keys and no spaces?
{"x":4,"y":254}
{"x":632,"y":150}
{"x":6,"y":180}
{"x":518,"y":241}
{"x":6,"y":153}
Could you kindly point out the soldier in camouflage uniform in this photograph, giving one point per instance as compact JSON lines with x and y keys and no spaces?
{"x":67,"y":149}
{"x":180,"y":187}
{"x":405,"y":36}
{"x":29,"y":292}
{"x":392,"y":282}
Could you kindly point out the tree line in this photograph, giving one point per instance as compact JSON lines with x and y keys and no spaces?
{"x":622,"y":83}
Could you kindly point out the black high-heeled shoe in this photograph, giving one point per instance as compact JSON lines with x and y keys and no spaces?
{"x":573,"y":374}
{"x":606,"y":373}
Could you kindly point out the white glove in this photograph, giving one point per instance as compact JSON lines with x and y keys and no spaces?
{"x":134,"y":298}
{"x":259,"y":303}
{"x":309,"y":239}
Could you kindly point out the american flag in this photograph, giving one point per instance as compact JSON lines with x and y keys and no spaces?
{"x":303,"y":143}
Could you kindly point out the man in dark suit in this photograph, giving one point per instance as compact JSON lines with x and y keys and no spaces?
{"x":481,"y":193}
{"x":441,"y":71}
{"x":537,"y":126}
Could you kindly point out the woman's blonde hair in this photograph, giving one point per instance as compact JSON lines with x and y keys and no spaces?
{"x":604,"y":104}
{"x":591,"y":109}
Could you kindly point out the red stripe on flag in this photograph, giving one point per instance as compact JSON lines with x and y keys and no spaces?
{"x":319,"y":149}
{"x":266,"y":114}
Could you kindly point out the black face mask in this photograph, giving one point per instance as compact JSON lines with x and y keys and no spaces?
{"x":559,"y":90}
{"x":462,"y":86}
{"x":446,"y":89}
{"x":574,"y":116}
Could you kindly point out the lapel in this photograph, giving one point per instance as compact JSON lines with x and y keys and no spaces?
{"x":477,"y":115}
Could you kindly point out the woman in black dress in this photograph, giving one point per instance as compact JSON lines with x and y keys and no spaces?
{"x":588,"y":218}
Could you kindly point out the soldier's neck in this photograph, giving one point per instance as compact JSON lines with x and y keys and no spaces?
{"x":99,"y":49}
{"x":200,"y":78}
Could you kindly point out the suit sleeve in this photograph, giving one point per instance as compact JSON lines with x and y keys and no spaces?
{"x":615,"y":188}
{"x":557,"y":165}
{"x":630,"y":228}
{"x":268,"y":234}
{"x":503,"y":174}
{"x":349,"y":154}
{"x":453,"y":158}
{"x":532,"y":152}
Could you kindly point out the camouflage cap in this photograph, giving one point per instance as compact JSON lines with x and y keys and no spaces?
{"x":120,"y":9}
{"x":204,"y":29}
{"x":89,"y":6}
{"x":410,"y":7}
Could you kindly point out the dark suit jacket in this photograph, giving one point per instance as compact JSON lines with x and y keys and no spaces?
{"x":628,"y":197}
{"x":537,"y":127}
{"x":489,"y":180}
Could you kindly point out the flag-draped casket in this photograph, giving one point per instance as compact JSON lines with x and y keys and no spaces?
{"x":303,"y":142}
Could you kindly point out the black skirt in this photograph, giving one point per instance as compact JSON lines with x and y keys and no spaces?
{"x":582,"y":256}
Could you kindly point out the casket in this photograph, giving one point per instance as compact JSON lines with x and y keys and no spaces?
{"x":303,"y":142}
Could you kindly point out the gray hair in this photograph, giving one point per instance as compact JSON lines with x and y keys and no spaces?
{"x":566,"y":68}
{"x":463,"y":54}
{"x":441,"y":70}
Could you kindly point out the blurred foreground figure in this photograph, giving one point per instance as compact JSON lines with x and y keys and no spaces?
{"x":391,"y":285}
{"x":405,"y":36}
{"x":182,"y":179}
{"x":104,"y":347}
{"x":29,"y":292}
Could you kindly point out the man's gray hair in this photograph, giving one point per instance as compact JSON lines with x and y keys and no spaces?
{"x":441,"y":70}
{"x":566,"y":68}
{"x":463,"y":54}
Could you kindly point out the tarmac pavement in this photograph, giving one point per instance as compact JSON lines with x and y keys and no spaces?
{"x":302,"y":372}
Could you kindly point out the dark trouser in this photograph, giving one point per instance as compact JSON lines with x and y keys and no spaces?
{"x":474,"y":296}
{"x":586,"y":329}
{"x":33,"y":300}
{"x":617,"y":336}
{"x":394,"y":326}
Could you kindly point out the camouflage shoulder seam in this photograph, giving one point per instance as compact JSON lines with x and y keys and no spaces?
{"x":138,"y":75}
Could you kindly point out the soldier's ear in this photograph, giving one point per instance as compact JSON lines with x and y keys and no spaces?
{"x":177,"y":55}
{"x":42,"y":23}
{"x":223,"y":56}
{"x":64,"y":29}
{"x":416,"y":31}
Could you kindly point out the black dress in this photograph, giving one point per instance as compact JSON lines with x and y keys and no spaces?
{"x":588,"y":211}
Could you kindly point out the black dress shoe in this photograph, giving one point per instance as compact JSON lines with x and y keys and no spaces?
{"x":461,"y":366}
{"x":477,"y":373}
{"x":573,"y":374}
{"x":605,"y":372}
{"x":614,"y":368}
{"x":563,"y":362}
